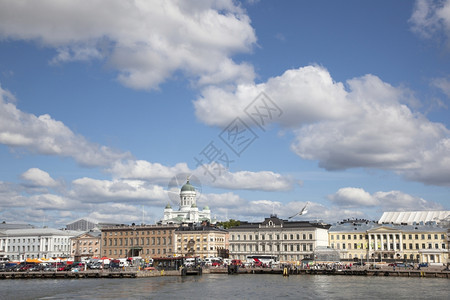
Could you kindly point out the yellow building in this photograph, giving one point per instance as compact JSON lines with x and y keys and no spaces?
{"x":364,"y":240}
{"x":85,"y":245}
{"x":201,"y":241}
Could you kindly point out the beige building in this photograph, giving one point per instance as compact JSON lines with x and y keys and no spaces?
{"x":369,"y":241}
{"x":285,"y":241}
{"x":201,"y":241}
{"x":85,"y":245}
{"x":146,"y":241}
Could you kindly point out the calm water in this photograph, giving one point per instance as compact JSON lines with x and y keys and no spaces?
{"x":229,"y":287}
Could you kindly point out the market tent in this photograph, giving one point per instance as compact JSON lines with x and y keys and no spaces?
{"x":33,"y":260}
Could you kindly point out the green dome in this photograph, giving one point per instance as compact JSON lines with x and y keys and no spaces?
{"x":188,"y":187}
{"x":168,"y":206}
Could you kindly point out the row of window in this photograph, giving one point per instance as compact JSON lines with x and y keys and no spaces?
{"x":135,"y":241}
{"x":365,"y":246}
{"x":84,"y":243}
{"x":250,"y":237}
{"x":385,"y":236}
{"x":86,"y":250}
{"x":32,"y":240}
{"x":137,"y":232}
{"x":122,"y":252}
{"x":34,"y":248}
{"x":270,"y":248}
{"x":211,"y":239}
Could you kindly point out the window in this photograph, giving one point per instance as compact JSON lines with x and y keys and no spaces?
{"x":332,"y":237}
{"x":343,"y":236}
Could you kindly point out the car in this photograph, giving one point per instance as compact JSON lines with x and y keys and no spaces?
{"x":359,"y":263}
{"x":423,"y":265}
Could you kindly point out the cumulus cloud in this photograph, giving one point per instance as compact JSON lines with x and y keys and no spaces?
{"x":304,"y":95}
{"x":364,"y":123}
{"x":39,"y":178}
{"x":353,"y":197}
{"x":44,"y":135}
{"x":350,"y":197}
{"x":145,"y":41}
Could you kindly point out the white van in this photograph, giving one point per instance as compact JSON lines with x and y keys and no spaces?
{"x":209,"y":261}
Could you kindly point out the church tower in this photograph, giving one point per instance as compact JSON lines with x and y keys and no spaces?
{"x":187,"y":197}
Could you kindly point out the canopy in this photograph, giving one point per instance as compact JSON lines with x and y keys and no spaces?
{"x":33,"y":260}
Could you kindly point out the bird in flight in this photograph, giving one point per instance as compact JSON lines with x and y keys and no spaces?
{"x":302,"y":212}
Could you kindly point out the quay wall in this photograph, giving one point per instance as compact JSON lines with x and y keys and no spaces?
{"x":278,"y":271}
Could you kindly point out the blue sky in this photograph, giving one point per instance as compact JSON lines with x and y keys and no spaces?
{"x":102,"y":104}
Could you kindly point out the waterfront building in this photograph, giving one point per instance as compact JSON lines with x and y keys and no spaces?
{"x":369,"y":241}
{"x":85,"y":245}
{"x":288,"y":241}
{"x":146,"y":241}
{"x":29,"y":243}
{"x":188,"y":211}
{"x":201,"y":241}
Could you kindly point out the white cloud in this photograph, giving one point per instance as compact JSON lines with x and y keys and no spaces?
{"x":431,"y":17}
{"x":44,"y":135}
{"x":353,"y":197}
{"x":223,"y":178}
{"x":366,"y":123}
{"x":350,"y":197}
{"x":97,"y":191}
{"x":146,"y":41}
{"x":38,"y":178}
{"x":144,"y":170}
{"x":304,"y":95}
{"x":443,"y":84}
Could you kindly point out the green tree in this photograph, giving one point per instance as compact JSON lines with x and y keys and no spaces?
{"x":228,"y":224}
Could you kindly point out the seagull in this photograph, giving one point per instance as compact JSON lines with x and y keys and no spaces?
{"x":302,"y":212}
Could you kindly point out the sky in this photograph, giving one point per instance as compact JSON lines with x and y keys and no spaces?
{"x":108,"y":106}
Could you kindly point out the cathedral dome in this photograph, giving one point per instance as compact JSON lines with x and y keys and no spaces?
{"x":187,"y":187}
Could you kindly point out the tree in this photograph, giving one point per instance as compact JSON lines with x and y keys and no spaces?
{"x":230,"y":223}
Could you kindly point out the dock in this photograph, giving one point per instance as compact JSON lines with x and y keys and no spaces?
{"x":234,"y":271}
{"x":333,"y":272}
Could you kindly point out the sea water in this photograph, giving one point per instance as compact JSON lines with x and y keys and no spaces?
{"x":220,"y":286}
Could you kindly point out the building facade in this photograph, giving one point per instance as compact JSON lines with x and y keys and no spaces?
{"x":201,"y":241}
{"x":371,"y":241}
{"x":146,"y":241}
{"x":287,"y":241}
{"x":86,"y":245}
{"x":188,"y":211}
{"x":29,"y":243}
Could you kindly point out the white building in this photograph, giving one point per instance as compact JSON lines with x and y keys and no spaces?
{"x":289,"y":241}
{"x":188,"y":211}
{"x":20,"y":244}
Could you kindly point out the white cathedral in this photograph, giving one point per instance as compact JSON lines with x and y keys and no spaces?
{"x":188,"y":211}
